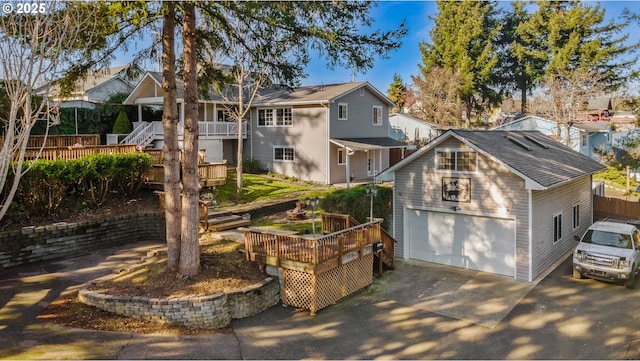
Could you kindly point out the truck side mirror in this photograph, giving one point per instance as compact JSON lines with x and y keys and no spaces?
{"x":576,"y":238}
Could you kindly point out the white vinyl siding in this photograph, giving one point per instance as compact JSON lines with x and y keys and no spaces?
{"x":497,"y":193}
{"x":545,"y":204}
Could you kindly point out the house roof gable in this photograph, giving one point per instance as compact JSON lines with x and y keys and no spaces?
{"x":539,"y":160}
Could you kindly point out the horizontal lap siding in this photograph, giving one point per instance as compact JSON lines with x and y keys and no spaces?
{"x":359,"y":122}
{"x":548,"y":203}
{"x":307,"y":136}
{"x":494,"y":191}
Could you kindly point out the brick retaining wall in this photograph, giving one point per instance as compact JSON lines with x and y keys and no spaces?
{"x":38,"y":243}
{"x":212,"y":311}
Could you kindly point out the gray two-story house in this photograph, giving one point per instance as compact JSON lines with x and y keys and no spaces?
{"x":329,"y":134}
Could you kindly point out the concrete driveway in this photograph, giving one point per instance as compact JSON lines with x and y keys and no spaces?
{"x":419,"y":311}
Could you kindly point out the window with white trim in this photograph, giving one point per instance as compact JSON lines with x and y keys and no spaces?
{"x":377,"y":115}
{"x":557,"y":227}
{"x":278,"y":117}
{"x":576,"y":216}
{"x":284,"y":154}
{"x":341,"y":157}
{"x":342,"y":111}
{"x":457,"y":160}
{"x":265,"y":117}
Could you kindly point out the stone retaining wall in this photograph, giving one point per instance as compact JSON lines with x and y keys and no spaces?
{"x":38,"y":243}
{"x":212,"y":311}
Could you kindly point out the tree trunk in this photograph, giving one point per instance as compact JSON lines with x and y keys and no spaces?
{"x":170,"y":150}
{"x":239,"y":156}
{"x":523,"y":97}
{"x":190,"y":250}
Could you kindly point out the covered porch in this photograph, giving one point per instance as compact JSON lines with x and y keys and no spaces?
{"x":361,"y":159}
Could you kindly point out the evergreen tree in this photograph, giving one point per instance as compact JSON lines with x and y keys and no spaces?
{"x":123,"y":125}
{"x":397,"y":92}
{"x":463,"y":40}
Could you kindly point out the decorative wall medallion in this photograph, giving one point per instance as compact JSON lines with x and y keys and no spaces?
{"x":456,"y":189}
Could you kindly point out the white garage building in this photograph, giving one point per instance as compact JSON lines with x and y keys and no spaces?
{"x":506,"y":202}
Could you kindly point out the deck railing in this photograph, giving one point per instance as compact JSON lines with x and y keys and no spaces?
{"x":73,"y":152}
{"x":333,"y":222}
{"x":53,"y":141}
{"x":274,"y":248}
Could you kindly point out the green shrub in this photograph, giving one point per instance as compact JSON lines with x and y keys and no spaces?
{"x":356,"y":203}
{"x":47,"y":184}
{"x":122,"y":125}
{"x":252,"y":166}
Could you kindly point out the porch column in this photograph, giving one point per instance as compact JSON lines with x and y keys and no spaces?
{"x":348,"y":166}
{"x":140,"y":112}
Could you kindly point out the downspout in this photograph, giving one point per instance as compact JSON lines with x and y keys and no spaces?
{"x":328,"y":144}
{"x":530,"y":236}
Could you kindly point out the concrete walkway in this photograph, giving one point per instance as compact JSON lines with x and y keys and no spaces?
{"x":419,"y":311}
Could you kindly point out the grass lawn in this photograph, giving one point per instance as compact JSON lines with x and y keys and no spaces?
{"x":258,"y":187}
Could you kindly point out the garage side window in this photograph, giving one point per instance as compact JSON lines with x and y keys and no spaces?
{"x":456,"y":160}
{"x":557,"y":227}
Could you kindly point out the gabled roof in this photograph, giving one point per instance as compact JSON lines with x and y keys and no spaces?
{"x":602,"y":103}
{"x":156,"y":78}
{"x":539,"y":160}
{"x":98,"y":78}
{"x":314,"y":94}
{"x":580,"y":126}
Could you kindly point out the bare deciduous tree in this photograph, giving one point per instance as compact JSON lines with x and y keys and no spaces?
{"x":436,"y":97}
{"x":35,"y":49}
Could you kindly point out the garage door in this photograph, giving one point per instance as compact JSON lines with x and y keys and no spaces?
{"x":469,"y":241}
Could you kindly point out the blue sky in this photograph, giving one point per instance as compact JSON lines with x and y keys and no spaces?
{"x":404,"y":61}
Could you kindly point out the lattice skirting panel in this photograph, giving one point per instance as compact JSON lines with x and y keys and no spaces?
{"x":315,"y":292}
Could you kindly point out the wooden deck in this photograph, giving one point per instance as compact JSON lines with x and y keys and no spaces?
{"x":68,"y":147}
{"x":318,"y":271}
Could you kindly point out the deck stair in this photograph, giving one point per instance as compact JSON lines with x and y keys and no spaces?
{"x":222,"y":220}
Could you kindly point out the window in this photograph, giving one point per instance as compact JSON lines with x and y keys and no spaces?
{"x":342,"y":111}
{"x":341,"y":158}
{"x":456,"y":160}
{"x":377,"y":115}
{"x":576,"y":216}
{"x":284,"y":117}
{"x":275,"y":117}
{"x":557,"y":227}
{"x":265,"y":117}
{"x":223,"y":116}
{"x":284,"y":154}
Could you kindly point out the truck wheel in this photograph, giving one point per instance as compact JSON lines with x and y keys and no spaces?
{"x":631,"y":282}
{"x":577,"y":275}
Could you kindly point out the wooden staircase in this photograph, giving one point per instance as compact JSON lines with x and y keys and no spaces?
{"x":215,"y":220}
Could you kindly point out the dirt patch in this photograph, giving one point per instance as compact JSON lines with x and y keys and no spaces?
{"x":223,"y":268}
{"x":77,"y":210}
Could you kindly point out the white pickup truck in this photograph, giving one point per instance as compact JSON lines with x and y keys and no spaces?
{"x":608,"y":251}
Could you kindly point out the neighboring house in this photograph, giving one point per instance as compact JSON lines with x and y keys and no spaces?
{"x":598,"y":110}
{"x":583,"y":137}
{"x":317,"y":133}
{"x":411,"y":130}
{"x":98,"y":86}
{"x":505,"y":202}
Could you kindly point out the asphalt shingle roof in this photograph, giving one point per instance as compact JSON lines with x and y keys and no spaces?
{"x":532,"y":154}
